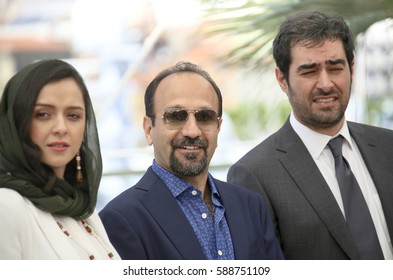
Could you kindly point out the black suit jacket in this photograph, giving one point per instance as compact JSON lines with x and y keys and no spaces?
{"x":306,"y":216}
{"x":146,"y":222}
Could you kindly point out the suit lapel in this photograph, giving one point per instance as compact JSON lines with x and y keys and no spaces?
{"x":379,"y":167}
{"x":162,"y":206}
{"x":236,"y":223}
{"x":296,"y":159}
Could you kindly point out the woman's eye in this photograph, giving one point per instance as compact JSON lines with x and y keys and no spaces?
{"x":74,"y":116}
{"x":42,"y":115}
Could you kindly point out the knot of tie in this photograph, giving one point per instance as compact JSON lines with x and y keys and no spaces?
{"x":336,"y":145}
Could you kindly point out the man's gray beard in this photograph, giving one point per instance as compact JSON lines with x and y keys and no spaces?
{"x":190,"y":168}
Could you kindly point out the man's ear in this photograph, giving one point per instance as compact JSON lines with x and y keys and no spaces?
{"x":281,"y":80}
{"x":353,"y":69}
{"x":219,"y":124}
{"x":147,"y":127}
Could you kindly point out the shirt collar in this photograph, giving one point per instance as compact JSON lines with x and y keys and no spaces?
{"x":316,"y":142}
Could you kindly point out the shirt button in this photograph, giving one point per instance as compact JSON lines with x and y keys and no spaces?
{"x":204,"y":215}
{"x":219,"y":252}
{"x":194,"y":192}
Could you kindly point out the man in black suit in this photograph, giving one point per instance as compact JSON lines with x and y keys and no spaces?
{"x":294,"y":168}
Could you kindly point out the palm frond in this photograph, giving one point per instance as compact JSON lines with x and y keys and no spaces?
{"x":252,"y":24}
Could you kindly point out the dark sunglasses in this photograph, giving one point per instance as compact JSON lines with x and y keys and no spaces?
{"x":175,"y":118}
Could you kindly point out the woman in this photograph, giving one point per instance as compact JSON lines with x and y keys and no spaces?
{"x":50,"y":167}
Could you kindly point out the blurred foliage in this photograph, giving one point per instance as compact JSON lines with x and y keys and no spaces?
{"x":252,"y":24}
{"x":379,"y":109}
{"x":258,"y":117}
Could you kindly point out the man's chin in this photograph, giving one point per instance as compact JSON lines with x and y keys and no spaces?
{"x":190,"y":165}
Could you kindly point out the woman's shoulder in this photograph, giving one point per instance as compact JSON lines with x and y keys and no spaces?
{"x":11,"y":197}
{"x":14,"y":210}
{"x":13,"y":202}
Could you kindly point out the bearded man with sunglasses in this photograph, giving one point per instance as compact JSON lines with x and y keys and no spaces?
{"x":178,"y":210}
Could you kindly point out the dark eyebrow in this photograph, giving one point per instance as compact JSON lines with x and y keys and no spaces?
{"x":307,"y":66}
{"x":43,"y":105}
{"x":313,"y":65}
{"x":336,"y":61}
{"x":51,"y":106}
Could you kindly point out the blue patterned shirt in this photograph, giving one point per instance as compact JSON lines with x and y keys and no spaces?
{"x":213,"y":234}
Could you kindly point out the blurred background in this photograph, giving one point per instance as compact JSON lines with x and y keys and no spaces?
{"x":120,"y":45}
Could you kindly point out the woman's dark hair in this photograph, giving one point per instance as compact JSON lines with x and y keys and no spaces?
{"x":180,"y":67}
{"x":310,"y":28}
{"x":48,"y":72}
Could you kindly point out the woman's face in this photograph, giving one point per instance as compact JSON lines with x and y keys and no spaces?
{"x":58,"y":123}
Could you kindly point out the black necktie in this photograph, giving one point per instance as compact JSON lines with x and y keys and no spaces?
{"x":358,"y":217}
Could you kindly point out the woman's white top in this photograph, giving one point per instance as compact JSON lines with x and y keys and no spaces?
{"x":29,"y":233}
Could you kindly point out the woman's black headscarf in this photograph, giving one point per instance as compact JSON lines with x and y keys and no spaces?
{"x":20,"y":167}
